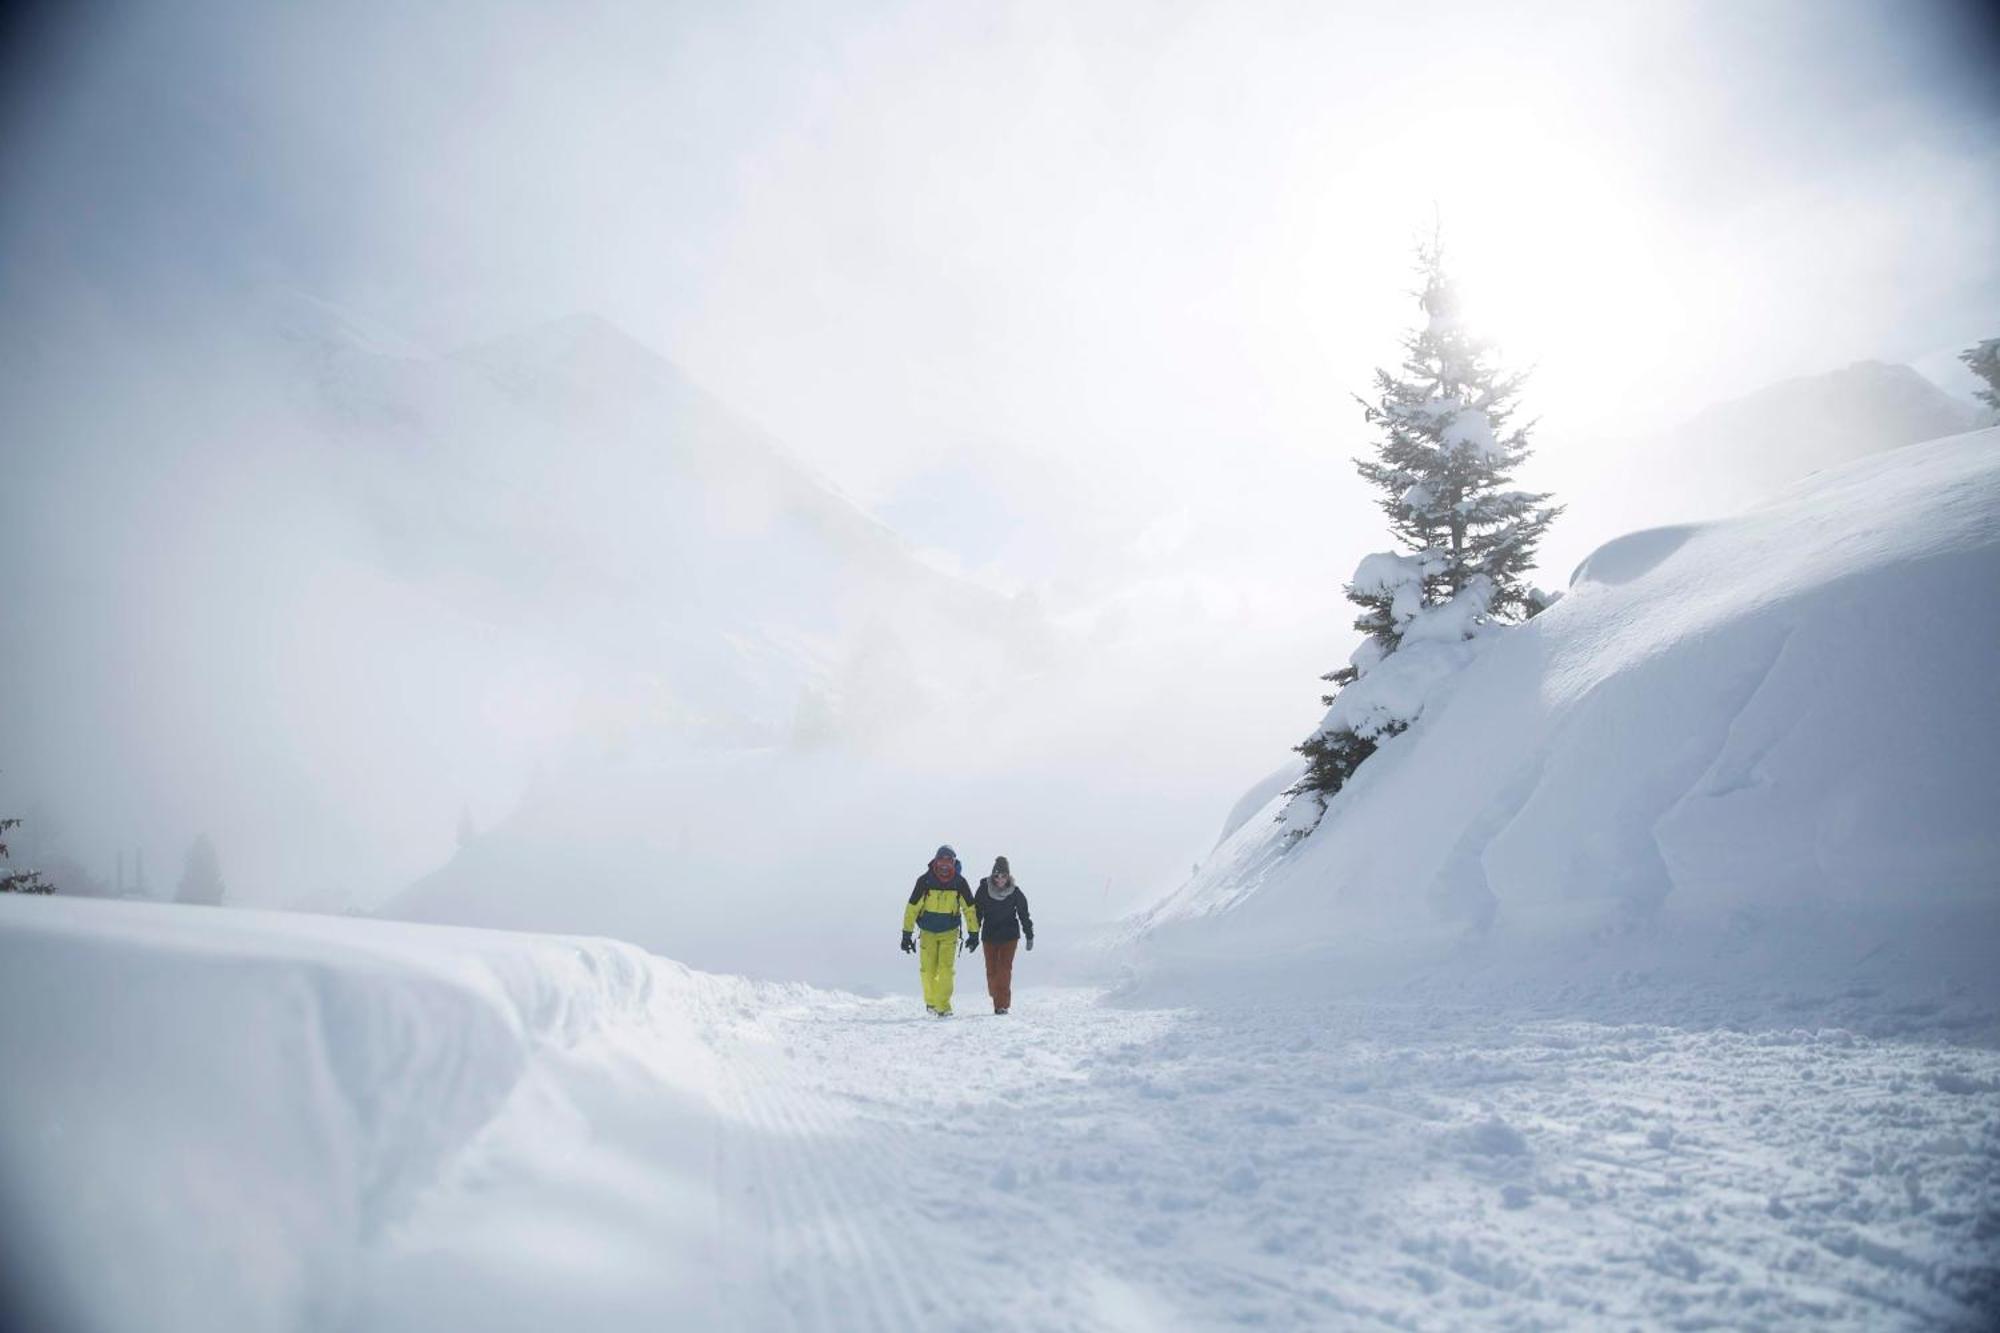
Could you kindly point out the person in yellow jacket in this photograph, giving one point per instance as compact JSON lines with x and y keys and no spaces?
{"x":939,"y":902}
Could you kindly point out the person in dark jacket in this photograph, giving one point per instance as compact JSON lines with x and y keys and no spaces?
{"x":937,"y":904}
{"x":1003,"y":923}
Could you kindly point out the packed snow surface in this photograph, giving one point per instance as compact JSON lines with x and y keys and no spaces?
{"x":214,"y":1119}
{"x":1763,"y":752}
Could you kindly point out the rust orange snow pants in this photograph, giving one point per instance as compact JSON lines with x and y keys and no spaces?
{"x":1000,"y":970}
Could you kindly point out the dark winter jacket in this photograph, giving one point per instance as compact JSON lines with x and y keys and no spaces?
{"x":937,"y":905}
{"x":1003,"y":918}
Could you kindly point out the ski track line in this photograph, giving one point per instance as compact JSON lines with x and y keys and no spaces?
{"x":839,"y":1198}
{"x":799,"y":1281}
{"x":909,"y":1174}
{"x":819,"y":1215}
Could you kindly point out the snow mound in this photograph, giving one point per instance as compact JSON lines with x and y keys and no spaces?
{"x":233,"y":1119}
{"x":1762,"y":738}
{"x":1252,"y":803}
{"x":1623,"y":559}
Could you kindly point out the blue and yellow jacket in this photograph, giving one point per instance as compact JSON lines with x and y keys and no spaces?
{"x":937,"y":907}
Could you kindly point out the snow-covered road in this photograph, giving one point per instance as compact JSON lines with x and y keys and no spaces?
{"x":1077,"y":1165}
{"x":253,"y":1120}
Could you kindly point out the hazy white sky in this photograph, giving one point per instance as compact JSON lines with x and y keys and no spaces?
{"x":1077,"y":294}
{"x":1057,"y":236}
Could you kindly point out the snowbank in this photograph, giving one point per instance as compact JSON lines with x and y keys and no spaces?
{"x":1752,"y":740}
{"x":220,"y":1119}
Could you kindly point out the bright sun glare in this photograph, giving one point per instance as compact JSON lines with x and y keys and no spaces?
{"x":1551,"y":250}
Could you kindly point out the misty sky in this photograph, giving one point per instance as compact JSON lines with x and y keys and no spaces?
{"x":910,"y":236}
{"x":1073,"y":293}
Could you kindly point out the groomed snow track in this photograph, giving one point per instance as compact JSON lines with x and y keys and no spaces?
{"x":213,"y":1119}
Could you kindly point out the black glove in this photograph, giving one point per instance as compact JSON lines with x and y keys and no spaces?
{"x":909,"y":945}
{"x":1031,"y":944}
{"x":972,"y":941}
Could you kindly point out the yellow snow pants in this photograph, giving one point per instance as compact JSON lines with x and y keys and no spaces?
{"x":937,"y":959}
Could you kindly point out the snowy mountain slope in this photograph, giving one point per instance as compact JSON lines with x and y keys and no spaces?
{"x":745,"y":690}
{"x":1785,"y":431}
{"x":1741,"y":452}
{"x":370,"y":586}
{"x":572,"y":484}
{"x":1778,"y":731}
{"x":708,"y":620}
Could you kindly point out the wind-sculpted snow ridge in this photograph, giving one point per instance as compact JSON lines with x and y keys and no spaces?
{"x":1755,"y":756}
{"x":220,"y":1119}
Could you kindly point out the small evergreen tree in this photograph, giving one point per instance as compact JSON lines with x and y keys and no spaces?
{"x":1983,"y":359}
{"x":201,"y":875}
{"x":1444,"y":462}
{"x":1447,"y":453}
{"x":19,"y":881}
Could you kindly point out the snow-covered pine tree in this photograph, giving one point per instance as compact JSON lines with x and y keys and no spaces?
{"x":1444,"y":464}
{"x":201,"y":876}
{"x":19,"y":881}
{"x":1448,"y":450}
{"x":1983,"y":359}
